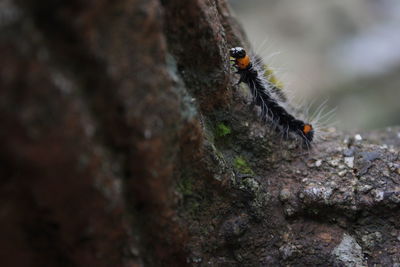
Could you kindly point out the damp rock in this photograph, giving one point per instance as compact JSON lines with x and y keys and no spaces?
{"x":250,"y":184}
{"x":287,"y":251}
{"x":285,"y":194}
{"x":289,"y":210}
{"x":363,"y":167}
{"x":378,"y":195}
{"x":370,"y":156}
{"x":316,"y":194}
{"x":358,"y":138}
{"x":365,"y":188}
{"x":234,"y":228}
{"x":394,"y":197}
{"x":334,"y":162}
{"x":348,"y":152}
{"x":197,"y":259}
{"x":348,"y":252}
{"x":369,"y":241}
{"x":393,"y":167}
{"x":318,"y":163}
{"x":349,"y":161}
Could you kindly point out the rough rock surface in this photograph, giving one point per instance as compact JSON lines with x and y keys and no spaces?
{"x":124,"y":142}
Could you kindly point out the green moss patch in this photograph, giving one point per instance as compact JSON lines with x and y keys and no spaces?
{"x":185,"y":186}
{"x":242,"y":165}
{"x":222,"y":130}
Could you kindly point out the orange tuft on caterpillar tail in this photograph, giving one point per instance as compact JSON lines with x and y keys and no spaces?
{"x":308,"y":132}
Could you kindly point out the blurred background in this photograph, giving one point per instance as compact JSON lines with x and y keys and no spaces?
{"x":346,"y":52}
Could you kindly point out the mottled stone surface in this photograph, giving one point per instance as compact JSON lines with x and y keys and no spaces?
{"x":112,"y":153}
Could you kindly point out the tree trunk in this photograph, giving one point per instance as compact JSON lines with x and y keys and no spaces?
{"x":125,"y":143}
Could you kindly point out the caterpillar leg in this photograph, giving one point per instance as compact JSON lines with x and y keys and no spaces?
{"x":240,"y":80}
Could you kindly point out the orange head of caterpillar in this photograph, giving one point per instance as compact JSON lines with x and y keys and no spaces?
{"x":308,"y":132}
{"x":241,"y":59}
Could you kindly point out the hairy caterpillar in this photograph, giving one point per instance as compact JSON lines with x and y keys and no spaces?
{"x":265,"y":96}
{"x":274,"y":84}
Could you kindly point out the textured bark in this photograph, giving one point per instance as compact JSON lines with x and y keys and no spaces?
{"x":124,"y":143}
